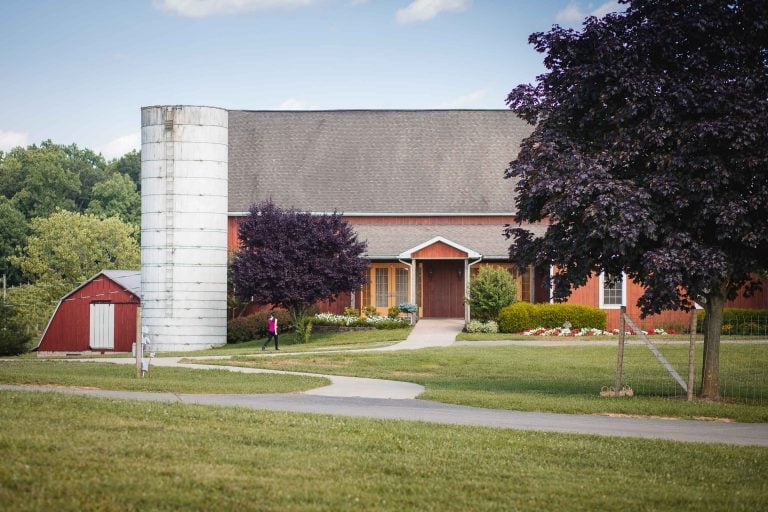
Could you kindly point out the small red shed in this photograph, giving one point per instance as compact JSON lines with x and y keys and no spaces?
{"x":100,"y":315}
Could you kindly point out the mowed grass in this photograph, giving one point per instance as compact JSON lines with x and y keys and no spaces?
{"x":565,"y":379}
{"x":289,"y":342}
{"x":70,"y":453}
{"x":161,"y":379}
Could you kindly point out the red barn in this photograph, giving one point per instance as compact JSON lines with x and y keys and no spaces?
{"x":100,"y":315}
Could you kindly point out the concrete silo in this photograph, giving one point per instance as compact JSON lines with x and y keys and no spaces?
{"x":184,"y":175}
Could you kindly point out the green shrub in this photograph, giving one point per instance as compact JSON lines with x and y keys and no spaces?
{"x":370,"y":311}
{"x":407,"y":307}
{"x":486,"y":327}
{"x":390,"y":323}
{"x":491,"y":290}
{"x":516,"y":317}
{"x":238,"y":330}
{"x":739,"y":321}
{"x":393,"y":312}
{"x":351,"y":312}
{"x":304,"y":329}
{"x":13,"y":338}
{"x":522,"y":315}
{"x":251,"y":327}
{"x":13,"y":343}
{"x":555,"y":315}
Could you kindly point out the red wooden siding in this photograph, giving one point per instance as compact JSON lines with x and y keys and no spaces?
{"x":588,"y":295}
{"x":439,"y":250}
{"x":69,"y":329}
{"x":232,"y":242}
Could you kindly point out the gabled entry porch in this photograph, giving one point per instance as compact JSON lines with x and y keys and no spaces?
{"x":441,"y":277}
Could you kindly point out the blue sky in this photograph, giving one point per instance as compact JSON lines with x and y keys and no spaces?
{"x":79,"y":71}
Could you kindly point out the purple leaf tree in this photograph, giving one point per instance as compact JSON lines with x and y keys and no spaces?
{"x":294,"y":259}
{"x":649,"y":156}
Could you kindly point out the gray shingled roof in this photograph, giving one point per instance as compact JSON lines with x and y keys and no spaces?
{"x":128,"y":279}
{"x":387,"y":241}
{"x":368,"y":161}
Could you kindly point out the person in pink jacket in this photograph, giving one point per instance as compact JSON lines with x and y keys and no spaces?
{"x":271,"y":331}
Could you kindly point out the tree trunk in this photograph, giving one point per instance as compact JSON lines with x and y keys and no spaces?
{"x":710,"y":375}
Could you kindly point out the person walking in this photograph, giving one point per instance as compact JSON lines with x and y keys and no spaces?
{"x":271,"y":331}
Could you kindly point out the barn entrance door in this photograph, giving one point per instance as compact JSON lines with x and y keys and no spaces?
{"x":443,"y":289}
{"x":102,"y":326}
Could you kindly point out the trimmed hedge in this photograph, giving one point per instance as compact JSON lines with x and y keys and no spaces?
{"x":740,"y":322}
{"x":524,"y":315}
{"x":252,"y":327}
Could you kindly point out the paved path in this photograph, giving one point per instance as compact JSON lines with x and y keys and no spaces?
{"x":429,"y":333}
{"x":755,"y":434}
{"x":383,"y":399}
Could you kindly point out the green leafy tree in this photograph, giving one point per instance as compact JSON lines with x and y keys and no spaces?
{"x":31,"y":306}
{"x":491,"y":290}
{"x":13,"y":339}
{"x":67,"y":248}
{"x":10,"y":172}
{"x":13,"y":234}
{"x":130,"y":165}
{"x":44,"y":181}
{"x":116,"y":197}
{"x":89,"y":167}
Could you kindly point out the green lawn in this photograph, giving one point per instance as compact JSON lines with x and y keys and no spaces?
{"x":69,"y":453}
{"x":174,"y":380}
{"x":564,"y":379}
{"x":318,"y":341}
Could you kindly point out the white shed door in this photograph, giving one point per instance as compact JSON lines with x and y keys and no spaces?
{"x":102,"y":326}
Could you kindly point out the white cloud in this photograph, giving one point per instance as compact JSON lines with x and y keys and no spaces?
{"x":9,"y":140}
{"x":574,"y":12}
{"x":473,"y":99}
{"x":203,"y":8}
{"x":121,"y":146}
{"x":292,"y":104}
{"x":424,"y":10}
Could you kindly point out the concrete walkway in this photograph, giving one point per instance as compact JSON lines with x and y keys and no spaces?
{"x":428,"y":333}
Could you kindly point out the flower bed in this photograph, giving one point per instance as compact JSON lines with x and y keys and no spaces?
{"x":562,"y":331}
{"x":371,"y":322}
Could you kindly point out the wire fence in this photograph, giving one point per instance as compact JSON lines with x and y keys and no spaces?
{"x":743,"y":362}
{"x":736,"y":322}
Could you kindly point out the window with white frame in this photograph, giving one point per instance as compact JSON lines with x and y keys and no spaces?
{"x":613,"y":291}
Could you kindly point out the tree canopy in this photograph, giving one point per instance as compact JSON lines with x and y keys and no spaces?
{"x":294,"y":259}
{"x":13,"y":234}
{"x":649,"y":155}
{"x":67,"y":248}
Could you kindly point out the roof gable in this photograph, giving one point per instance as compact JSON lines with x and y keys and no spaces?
{"x":441,"y":248}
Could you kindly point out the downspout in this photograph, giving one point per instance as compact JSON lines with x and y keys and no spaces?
{"x":412,"y":282}
{"x":467,"y":271}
